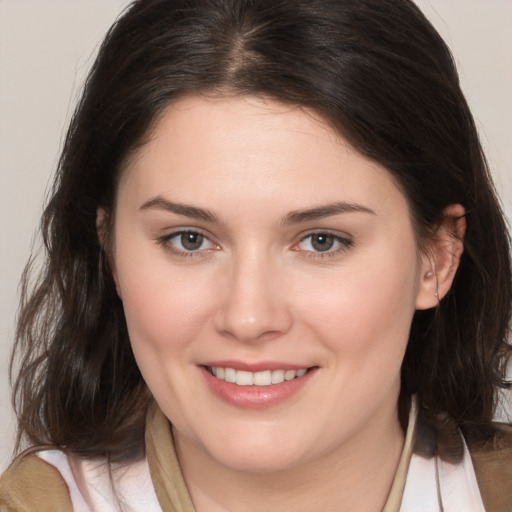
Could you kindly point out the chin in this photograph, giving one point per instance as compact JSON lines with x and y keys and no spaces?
{"x":266,"y":462}
{"x":264,"y":453}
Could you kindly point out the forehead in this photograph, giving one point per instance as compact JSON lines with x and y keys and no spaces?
{"x":250,"y":150}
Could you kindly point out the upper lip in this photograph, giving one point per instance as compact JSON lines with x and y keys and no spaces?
{"x":255,"y":366}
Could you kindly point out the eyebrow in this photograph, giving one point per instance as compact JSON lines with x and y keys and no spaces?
{"x":159,"y":203}
{"x":294,"y":217}
{"x":298,"y":216}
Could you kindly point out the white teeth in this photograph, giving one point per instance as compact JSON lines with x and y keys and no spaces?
{"x":277,"y":376}
{"x":229,"y":375}
{"x":290,"y":374}
{"x":244,"y":378}
{"x":263,"y":378}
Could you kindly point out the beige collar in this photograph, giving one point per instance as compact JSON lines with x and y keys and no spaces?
{"x":170,"y":486}
{"x":397,"y":487}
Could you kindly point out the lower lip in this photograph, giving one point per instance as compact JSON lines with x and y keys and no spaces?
{"x":255,"y":397}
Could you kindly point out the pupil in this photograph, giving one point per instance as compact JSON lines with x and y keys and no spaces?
{"x":191,"y":241}
{"x":322,"y":242}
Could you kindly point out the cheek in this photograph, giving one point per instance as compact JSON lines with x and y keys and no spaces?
{"x":365,"y":311}
{"x":164,"y":307}
{"x":164,"y":314}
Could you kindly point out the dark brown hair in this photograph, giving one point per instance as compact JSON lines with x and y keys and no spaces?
{"x":380,"y":73}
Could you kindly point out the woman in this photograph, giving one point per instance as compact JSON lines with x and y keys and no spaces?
{"x":273,"y":229}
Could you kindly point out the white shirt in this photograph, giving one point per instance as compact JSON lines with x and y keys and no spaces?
{"x":431,"y":484}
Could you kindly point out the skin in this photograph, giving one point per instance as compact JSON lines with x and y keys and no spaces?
{"x":257,"y":289}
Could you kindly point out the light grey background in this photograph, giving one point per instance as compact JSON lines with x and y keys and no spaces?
{"x":46,"y":47}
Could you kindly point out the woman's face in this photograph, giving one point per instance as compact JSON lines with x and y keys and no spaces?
{"x":254,"y":243}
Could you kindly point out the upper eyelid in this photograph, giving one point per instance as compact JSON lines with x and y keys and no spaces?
{"x":341,"y":235}
{"x":344,"y":240}
{"x":165,"y":238}
{"x":179,"y":231}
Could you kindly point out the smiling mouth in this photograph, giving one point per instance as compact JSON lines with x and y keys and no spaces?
{"x":263,"y":378}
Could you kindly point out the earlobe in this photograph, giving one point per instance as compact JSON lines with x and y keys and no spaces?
{"x":441,"y":258}
{"x":101,"y":230}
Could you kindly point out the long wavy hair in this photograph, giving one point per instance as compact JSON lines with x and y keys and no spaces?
{"x":381,"y":75}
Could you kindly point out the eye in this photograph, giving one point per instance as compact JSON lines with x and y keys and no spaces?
{"x":187,"y":242}
{"x":323,"y":242}
{"x":190,"y":241}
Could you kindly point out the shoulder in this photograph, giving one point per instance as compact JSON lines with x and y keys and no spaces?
{"x":32,"y":484}
{"x":492,"y":461}
{"x":490,"y":451}
{"x":493,"y":452}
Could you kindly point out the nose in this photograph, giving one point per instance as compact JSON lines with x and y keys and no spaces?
{"x":254,"y":305}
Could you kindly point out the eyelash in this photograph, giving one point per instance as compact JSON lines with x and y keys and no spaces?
{"x":166,"y":243}
{"x":343,"y":244}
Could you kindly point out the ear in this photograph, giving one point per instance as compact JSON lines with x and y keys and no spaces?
{"x":101,"y":230}
{"x":441,"y":257}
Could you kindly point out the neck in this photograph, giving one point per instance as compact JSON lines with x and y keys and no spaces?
{"x":355,"y":476}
